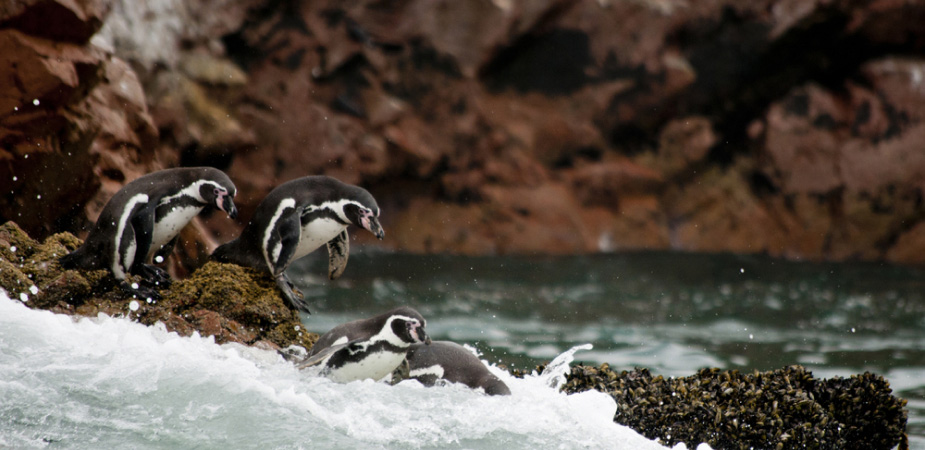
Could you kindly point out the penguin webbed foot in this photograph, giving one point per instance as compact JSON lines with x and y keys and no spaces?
{"x":153,"y":275}
{"x":292,"y":294}
{"x":139,"y":291}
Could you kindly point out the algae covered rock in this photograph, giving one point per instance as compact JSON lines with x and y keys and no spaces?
{"x":15,"y":244}
{"x":246,"y":303}
{"x":229,"y":302}
{"x":785,"y":408}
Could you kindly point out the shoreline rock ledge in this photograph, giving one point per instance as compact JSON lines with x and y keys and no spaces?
{"x":785,"y":408}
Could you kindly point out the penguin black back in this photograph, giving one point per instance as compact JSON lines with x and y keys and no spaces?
{"x":295,"y":219}
{"x":144,"y":212}
{"x":452,"y":362}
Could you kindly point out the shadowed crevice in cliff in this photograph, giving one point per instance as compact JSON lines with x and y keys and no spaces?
{"x":740,"y":72}
{"x":554,"y":63}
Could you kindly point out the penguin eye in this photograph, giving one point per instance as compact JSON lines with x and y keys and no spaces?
{"x":217,"y":191}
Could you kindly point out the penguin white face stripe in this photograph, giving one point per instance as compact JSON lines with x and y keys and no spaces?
{"x":118,"y":265}
{"x":337,"y":207}
{"x":191,"y":191}
{"x":386,"y":334}
{"x":435,"y":370}
{"x":268,"y":232}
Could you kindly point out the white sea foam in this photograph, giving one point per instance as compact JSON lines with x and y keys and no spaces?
{"x":110,"y":382}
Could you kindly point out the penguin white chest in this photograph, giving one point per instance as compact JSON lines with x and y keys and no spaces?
{"x":317,"y":233}
{"x":170,"y":225}
{"x":375,"y":366}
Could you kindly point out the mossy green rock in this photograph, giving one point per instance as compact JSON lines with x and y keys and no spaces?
{"x":231,"y":303}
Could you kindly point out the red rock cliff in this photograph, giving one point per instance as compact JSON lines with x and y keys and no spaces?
{"x":792,"y":128}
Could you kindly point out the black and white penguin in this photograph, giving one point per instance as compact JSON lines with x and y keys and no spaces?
{"x":146,"y":215}
{"x":294,"y":220}
{"x":444,"y":360}
{"x":367,"y":348}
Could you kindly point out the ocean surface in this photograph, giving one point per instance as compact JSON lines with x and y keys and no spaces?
{"x":110,"y":383}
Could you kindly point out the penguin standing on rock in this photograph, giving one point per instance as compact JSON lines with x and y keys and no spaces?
{"x":144,"y":216}
{"x":367,"y":348}
{"x":294,"y":220}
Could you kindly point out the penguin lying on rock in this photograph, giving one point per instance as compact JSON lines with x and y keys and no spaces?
{"x":444,"y":360}
{"x":367,"y":348}
{"x":146,"y":215}
{"x":294,"y":220}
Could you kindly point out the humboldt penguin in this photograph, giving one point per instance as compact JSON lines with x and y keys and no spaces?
{"x":444,"y":360}
{"x":146,"y":215}
{"x":294,"y":220}
{"x":367,"y":348}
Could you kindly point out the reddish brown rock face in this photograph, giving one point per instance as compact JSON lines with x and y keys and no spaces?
{"x":783,"y":127}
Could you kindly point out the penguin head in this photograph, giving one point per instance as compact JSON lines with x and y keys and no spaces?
{"x":222,"y":197}
{"x":408,"y":325}
{"x":365,"y":217}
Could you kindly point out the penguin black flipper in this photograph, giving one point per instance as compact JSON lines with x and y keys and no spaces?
{"x":281,"y":244}
{"x":338,"y":252}
{"x":322,"y":355}
{"x":142,"y":223}
{"x":164,"y":252}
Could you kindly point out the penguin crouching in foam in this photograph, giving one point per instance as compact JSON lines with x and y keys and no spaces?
{"x":367,"y":348}
{"x":146,"y":215}
{"x":444,"y":360}
{"x":294,"y":220}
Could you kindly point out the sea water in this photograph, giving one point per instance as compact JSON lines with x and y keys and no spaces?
{"x":672,"y":313}
{"x":107,"y":382}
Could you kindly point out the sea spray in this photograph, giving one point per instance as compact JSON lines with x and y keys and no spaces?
{"x":110,"y":382}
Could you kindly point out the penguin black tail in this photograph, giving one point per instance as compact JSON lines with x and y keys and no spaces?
{"x":235,"y":252}
{"x":79,"y":259}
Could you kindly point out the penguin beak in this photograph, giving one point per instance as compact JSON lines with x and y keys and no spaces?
{"x":371,"y":223}
{"x":227,"y":205}
{"x":422,"y":335}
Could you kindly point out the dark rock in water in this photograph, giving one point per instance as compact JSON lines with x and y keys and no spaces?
{"x":785,"y":408}
{"x":229,"y":302}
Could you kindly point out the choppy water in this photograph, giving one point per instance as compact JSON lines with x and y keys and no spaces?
{"x":110,"y":383}
{"x":107,"y":382}
{"x":672,"y":313}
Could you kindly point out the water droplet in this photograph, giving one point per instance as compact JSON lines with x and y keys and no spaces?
{"x":24,"y":297}
{"x":13,"y":248}
{"x":134,"y":285}
{"x":35,"y":102}
{"x":33,"y":289}
{"x":158,"y":259}
{"x":134,"y":305}
{"x":742,"y":270}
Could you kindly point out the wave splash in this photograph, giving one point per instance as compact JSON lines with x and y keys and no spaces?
{"x":110,"y":382}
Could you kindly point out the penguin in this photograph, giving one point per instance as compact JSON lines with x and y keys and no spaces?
{"x":146,"y":216}
{"x":294,"y":220}
{"x":444,"y":360}
{"x":367,"y":348}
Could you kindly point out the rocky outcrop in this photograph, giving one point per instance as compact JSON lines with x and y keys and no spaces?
{"x":228,"y":302}
{"x":784,"y":408}
{"x":482,"y":127}
{"x":74,"y":123}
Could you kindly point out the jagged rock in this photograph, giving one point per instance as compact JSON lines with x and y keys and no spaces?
{"x":785,"y":408}
{"x":229,"y":302}
{"x":472,"y":102}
